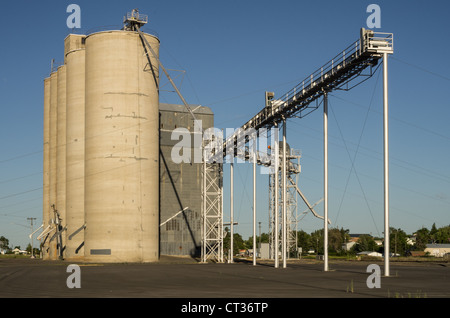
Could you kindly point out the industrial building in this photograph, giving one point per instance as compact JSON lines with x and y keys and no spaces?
{"x":111,"y":190}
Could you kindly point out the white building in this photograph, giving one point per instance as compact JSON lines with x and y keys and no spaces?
{"x":375,"y":254}
{"x":437,"y":250}
{"x":18,"y":251}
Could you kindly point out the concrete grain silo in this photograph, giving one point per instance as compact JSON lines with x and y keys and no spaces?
{"x":46,"y":164}
{"x":107,"y":154}
{"x":61,"y":158}
{"x":121,"y":148}
{"x":74,"y":54}
{"x":51,"y":252}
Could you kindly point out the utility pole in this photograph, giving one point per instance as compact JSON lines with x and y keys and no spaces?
{"x":32,"y":248}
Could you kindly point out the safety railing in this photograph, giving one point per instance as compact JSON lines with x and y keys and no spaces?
{"x":381,"y":42}
{"x":336,"y":72}
{"x":134,"y":15}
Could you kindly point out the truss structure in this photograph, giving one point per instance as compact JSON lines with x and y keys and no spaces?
{"x":212,"y":225}
{"x":293,"y":168}
{"x":336,"y":74}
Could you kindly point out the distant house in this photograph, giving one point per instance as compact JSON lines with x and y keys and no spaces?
{"x":437,"y":250}
{"x":355,"y":237}
{"x":374,"y":254}
{"x":242,"y":252}
{"x":18,"y":251}
{"x":347,"y":246}
{"x":417,"y":253}
{"x":411,"y":240}
{"x":264,"y":251}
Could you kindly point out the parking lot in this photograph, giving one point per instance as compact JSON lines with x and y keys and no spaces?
{"x":184,"y":285}
{"x":186,"y":279}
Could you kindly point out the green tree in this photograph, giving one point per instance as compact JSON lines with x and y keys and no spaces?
{"x":442,"y":235}
{"x":423,"y":237}
{"x":365,"y":243}
{"x":345,"y":235}
{"x":4,"y":242}
{"x":304,"y":241}
{"x":317,"y":241}
{"x":264,"y":239}
{"x":397,"y":241}
{"x":336,"y":237}
{"x":238,"y":242}
{"x":433,"y":231}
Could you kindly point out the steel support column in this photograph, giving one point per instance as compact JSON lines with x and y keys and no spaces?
{"x":254,"y":202}
{"x":386,"y":164}
{"x":283,"y":180}
{"x":325,"y":180}
{"x":231,"y":211}
{"x":276,"y":168}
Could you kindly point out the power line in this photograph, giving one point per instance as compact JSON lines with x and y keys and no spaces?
{"x":398,"y":119}
{"x":356,"y":174}
{"x":21,"y":156}
{"x":422,"y":69}
{"x":352,"y":167}
{"x":419,"y":170}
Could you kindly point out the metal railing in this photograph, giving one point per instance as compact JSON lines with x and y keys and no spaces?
{"x":335,"y":73}
{"x":381,"y":42}
{"x":134,"y":15}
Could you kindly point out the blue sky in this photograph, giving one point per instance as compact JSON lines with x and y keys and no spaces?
{"x":233,"y":51}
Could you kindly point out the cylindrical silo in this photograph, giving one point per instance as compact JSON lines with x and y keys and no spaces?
{"x":46,"y":164}
{"x":122,"y":148}
{"x":51,"y":239}
{"x":75,"y":92}
{"x":61,"y":155}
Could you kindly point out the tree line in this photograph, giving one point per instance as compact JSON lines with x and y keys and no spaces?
{"x":398,"y":239}
{"x":4,"y":245}
{"x":400,"y":243}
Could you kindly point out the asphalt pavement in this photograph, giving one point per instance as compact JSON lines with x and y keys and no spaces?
{"x":185,"y":279}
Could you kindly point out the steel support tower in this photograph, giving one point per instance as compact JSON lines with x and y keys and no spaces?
{"x":292,"y":170}
{"x":337,"y":74}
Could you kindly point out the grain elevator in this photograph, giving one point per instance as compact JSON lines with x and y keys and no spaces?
{"x":112,"y":193}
